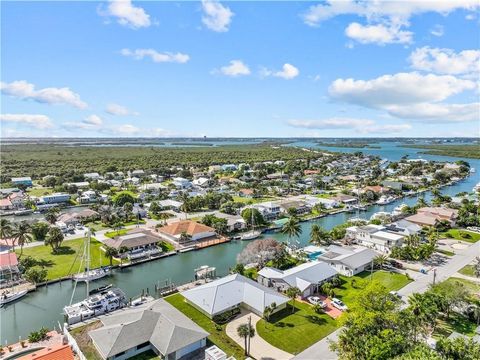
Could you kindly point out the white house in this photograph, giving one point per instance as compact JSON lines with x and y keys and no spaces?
{"x":91,"y":176}
{"x":375,"y":237}
{"x":170,"y":204}
{"x":348,"y":261}
{"x":269,"y":210}
{"x":55,"y":198}
{"x":231,"y":292}
{"x":202,"y":182}
{"x":181,"y":183}
{"x":307,"y":277}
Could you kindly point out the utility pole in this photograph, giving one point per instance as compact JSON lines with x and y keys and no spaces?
{"x":249,"y":332}
{"x":434,"y":275}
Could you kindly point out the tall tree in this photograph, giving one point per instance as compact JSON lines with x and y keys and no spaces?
{"x":52,"y":215}
{"x":110,"y":253}
{"x":292,"y":228}
{"x":319,"y":236}
{"x":243,"y":331}
{"x":292,"y":293}
{"x":22,"y":234}
{"x":6,"y":228}
{"x":54,"y":238}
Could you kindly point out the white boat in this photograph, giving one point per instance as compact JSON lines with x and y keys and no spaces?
{"x":250,"y":235}
{"x":7,"y":297}
{"x":399,"y":209}
{"x":476,"y":188}
{"x":384,"y":200}
{"x":92,"y":274}
{"x":95,"y":305}
{"x":380,"y":215}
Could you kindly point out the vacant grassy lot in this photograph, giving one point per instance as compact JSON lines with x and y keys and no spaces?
{"x":352,"y":286}
{"x":39,"y":191}
{"x":67,"y":260}
{"x":296,"y":332}
{"x":247,"y":200}
{"x":470,"y":285}
{"x":463,"y":235}
{"x":218,"y":336}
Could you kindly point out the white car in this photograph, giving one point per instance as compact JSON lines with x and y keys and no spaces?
{"x":339,"y":304}
{"x":315,"y":300}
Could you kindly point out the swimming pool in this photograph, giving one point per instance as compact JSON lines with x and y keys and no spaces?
{"x":314,"y":255}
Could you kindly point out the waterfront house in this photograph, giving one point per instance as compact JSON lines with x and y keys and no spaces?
{"x":404,"y":227}
{"x":25,"y":181}
{"x":375,"y":237}
{"x":74,"y":218}
{"x":194,"y":230}
{"x":231,"y":292}
{"x":429,"y":216}
{"x":348,"y":261}
{"x":269,"y":210}
{"x":138,"y":239}
{"x":345,"y":199}
{"x":156,"y":326}
{"x":8,"y":268}
{"x":300,"y":206}
{"x":234,"y":222}
{"x":55,"y":198}
{"x":307,"y":277}
{"x":51,"y":352}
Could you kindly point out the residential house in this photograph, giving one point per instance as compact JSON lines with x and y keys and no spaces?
{"x":80,"y":184}
{"x":91,"y":176}
{"x":196,"y":231}
{"x":248,"y":193}
{"x":404,"y":227}
{"x":6,"y":204}
{"x":138,"y":239}
{"x":8,"y":268}
{"x":270,"y":210}
{"x":234,"y":222}
{"x":181,"y":183}
{"x":377,"y":189}
{"x":395,"y":185}
{"x":307,"y":277}
{"x":300,"y":206}
{"x":51,"y":352}
{"x":55,"y":198}
{"x":311,"y":172}
{"x":26,"y":181}
{"x":375,"y":237}
{"x":137,"y":173}
{"x":88,"y":196}
{"x":74,"y":218}
{"x":202,"y":182}
{"x":348,"y":261}
{"x":345,"y":199}
{"x":229,"y":167}
{"x":156,"y":326}
{"x":429,"y":216}
{"x":231,"y":292}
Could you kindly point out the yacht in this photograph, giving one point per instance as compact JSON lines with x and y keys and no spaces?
{"x":7,"y":297}
{"x":91,"y":275}
{"x":379,"y":215}
{"x":98,"y":304}
{"x":251,"y":235}
{"x":384,"y":200}
{"x":399,"y":209}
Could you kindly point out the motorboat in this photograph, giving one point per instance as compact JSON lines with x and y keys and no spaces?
{"x":399,"y":209}
{"x":7,"y":297}
{"x":98,"y":304}
{"x":91,"y":275}
{"x":384,"y":200}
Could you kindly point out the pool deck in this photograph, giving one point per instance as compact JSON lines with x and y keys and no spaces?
{"x":54,"y":338}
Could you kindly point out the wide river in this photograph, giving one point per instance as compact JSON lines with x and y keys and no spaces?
{"x":44,"y":306}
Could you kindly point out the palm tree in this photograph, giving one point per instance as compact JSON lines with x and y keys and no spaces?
{"x":163,"y":216}
{"x":121,"y":251}
{"x":292,"y":228}
{"x":432,"y":236}
{"x":292,"y":293}
{"x":22,"y":234}
{"x":5,"y":228}
{"x":319,"y":236}
{"x":54,"y":238}
{"x":380,"y":260}
{"x":412,"y":240}
{"x":127,"y":208}
{"x":51,"y":216}
{"x":117,"y":227}
{"x":243,"y":331}
{"x":110,"y":253}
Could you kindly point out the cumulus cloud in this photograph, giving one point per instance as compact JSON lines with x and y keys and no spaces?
{"x":378,"y":34}
{"x":156,"y":56}
{"x":119,"y":110}
{"x":386,"y":19}
{"x":363,"y":126}
{"x":288,"y":72}
{"x":216,"y":16}
{"x":234,"y":69}
{"x":26,"y":91}
{"x":408,"y":95}
{"x":91,"y":122}
{"x":35,"y":120}
{"x":127,"y":14}
{"x":446,"y":61}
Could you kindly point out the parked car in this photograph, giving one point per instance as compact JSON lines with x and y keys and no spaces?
{"x":79,"y":226}
{"x":315,"y":300}
{"x":339,"y":304}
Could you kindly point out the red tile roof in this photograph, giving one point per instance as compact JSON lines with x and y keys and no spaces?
{"x":58,"y":352}
{"x":190,"y":227}
{"x":8,"y":259}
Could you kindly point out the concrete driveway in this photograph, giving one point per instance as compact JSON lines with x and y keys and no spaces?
{"x":259,"y":348}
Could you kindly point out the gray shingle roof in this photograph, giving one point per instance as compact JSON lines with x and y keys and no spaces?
{"x":157,"y":322}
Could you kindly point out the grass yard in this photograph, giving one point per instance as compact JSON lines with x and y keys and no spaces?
{"x":247,"y":200}
{"x":112,"y":234}
{"x":40,"y":191}
{"x":97,"y":225}
{"x":468,"y":270}
{"x":352,"y":286}
{"x":218,"y":336}
{"x":166,"y":246}
{"x":474,"y":287}
{"x":456,"y":322}
{"x":296,"y":332}
{"x":462,"y":235}
{"x":84,"y":341}
{"x":67,"y":260}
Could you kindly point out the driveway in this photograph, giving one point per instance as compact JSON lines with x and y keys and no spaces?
{"x":330,"y":309}
{"x":259,"y":348}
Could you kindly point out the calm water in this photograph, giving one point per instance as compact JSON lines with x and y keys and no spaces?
{"x":44,"y":307}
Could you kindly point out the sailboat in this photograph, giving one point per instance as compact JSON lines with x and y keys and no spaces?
{"x":8,"y":296}
{"x":90,"y":275}
{"x":252,"y":234}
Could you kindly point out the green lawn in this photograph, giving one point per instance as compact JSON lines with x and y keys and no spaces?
{"x":166,"y":246}
{"x":97,"y":225}
{"x":66,"y":261}
{"x":471,"y":285}
{"x":296,"y":332}
{"x":39,"y":191}
{"x":456,"y":322}
{"x":247,"y":200}
{"x":445,"y":252}
{"x":217,"y":336}
{"x":112,"y":234}
{"x":468,"y":270}
{"x":348,"y":293}
{"x":463,"y":235}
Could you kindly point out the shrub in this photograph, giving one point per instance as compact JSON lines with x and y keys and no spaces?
{"x":40,"y":335}
{"x":226,"y":316}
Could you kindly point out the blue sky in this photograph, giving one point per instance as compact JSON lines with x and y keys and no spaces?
{"x":240,"y":69}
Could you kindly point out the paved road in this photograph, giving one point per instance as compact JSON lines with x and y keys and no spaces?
{"x":321,"y":351}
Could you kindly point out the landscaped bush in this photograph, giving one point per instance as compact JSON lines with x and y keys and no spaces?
{"x":40,"y":335}
{"x":225,"y":317}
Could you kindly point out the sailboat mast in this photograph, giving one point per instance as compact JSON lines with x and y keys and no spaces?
{"x":88,"y":261}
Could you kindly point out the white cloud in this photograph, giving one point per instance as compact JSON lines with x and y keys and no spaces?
{"x":216,"y":17}
{"x":37,"y":121}
{"x":127,"y":129}
{"x":120,"y":110}
{"x":378,"y":34}
{"x":437,"y":30}
{"x":236,"y":68}
{"x":93,"y":120}
{"x":446,"y":61}
{"x":24,"y":90}
{"x":288,"y":72}
{"x":409,"y":96}
{"x":401,"y":88}
{"x":156,"y":56}
{"x":127,"y":14}
{"x":363,"y":126}
{"x":386,"y":19}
